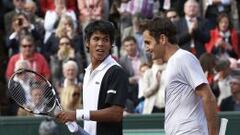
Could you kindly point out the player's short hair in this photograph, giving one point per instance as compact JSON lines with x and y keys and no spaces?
{"x":102,"y":26}
{"x":160,"y":25}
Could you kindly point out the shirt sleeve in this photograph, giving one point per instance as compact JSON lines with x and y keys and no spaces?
{"x":192,"y":71}
{"x":117,"y":87}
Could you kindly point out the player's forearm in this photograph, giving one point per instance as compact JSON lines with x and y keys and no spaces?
{"x":110,"y":114}
{"x":210,"y":108}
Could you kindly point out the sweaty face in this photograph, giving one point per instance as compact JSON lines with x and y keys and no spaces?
{"x":152,"y":47}
{"x":99,"y":46}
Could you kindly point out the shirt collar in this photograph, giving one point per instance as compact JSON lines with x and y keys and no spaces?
{"x":188,"y":18}
{"x":107,"y":61}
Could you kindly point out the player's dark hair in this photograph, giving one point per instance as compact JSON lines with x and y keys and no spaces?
{"x":102,"y":26}
{"x":160,"y":25}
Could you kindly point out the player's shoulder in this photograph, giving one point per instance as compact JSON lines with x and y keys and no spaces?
{"x":183,"y":55}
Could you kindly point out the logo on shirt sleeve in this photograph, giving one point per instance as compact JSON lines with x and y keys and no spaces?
{"x":112,"y":91}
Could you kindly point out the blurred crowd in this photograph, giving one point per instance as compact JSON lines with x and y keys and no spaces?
{"x":47,"y":36}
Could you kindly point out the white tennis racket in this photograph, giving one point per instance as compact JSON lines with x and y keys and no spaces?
{"x":35,"y":94}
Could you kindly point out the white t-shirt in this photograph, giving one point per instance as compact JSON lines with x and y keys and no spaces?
{"x":184,"y":114}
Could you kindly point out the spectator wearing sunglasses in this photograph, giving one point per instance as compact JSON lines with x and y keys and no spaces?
{"x":27,"y":52}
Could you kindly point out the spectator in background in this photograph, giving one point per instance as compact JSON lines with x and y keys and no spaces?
{"x":223,"y":78}
{"x":135,"y":31}
{"x":90,"y":10}
{"x":142,"y":70}
{"x":172,"y":15}
{"x":22,"y":83}
{"x":208,"y":62}
{"x":232,"y":103}
{"x":71,"y":97}
{"x":27,"y":52}
{"x":8,"y":18}
{"x":30,"y":9}
{"x":65,"y":53}
{"x":154,"y":88}
{"x":66,"y":29}
{"x":214,"y":8}
{"x":192,"y":31}
{"x":70,"y":75}
{"x":52,"y":17}
{"x":224,"y":39}
{"x":46,"y":5}
{"x":21,"y":26}
{"x":131,"y":62}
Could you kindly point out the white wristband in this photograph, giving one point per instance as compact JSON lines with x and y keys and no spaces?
{"x":82,"y":114}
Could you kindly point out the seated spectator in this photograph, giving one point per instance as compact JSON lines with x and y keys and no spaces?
{"x":224,"y":39}
{"x":22,"y":82}
{"x":223,"y":78}
{"x":131,"y":62}
{"x":27,"y":52}
{"x":136,"y":31}
{"x":52,"y":17}
{"x":21,"y":26}
{"x":232,"y":103}
{"x":8,"y":17}
{"x":208,"y":62}
{"x":71,"y":97}
{"x":172,"y":15}
{"x":66,"y":29}
{"x":90,"y":11}
{"x":35,"y":103}
{"x":65,"y":53}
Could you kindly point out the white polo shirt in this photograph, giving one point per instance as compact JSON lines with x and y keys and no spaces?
{"x":91,"y":88}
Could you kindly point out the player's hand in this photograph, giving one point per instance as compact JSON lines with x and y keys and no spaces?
{"x":65,"y":116}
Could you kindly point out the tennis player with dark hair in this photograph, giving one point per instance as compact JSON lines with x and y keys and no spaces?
{"x":190,"y":103}
{"x":104,"y":85}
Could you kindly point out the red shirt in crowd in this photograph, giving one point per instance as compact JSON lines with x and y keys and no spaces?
{"x":38,"y":63}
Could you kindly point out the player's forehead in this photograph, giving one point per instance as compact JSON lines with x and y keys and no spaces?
{"x":100,"y":34}
{"x":147,"y":36}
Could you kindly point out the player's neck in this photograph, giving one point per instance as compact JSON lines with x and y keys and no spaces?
{"x":170,"y":50}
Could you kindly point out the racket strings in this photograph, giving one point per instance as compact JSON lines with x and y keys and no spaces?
{"x":42,"y":98}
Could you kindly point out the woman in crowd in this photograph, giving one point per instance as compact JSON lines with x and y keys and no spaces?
{"x":224,"y":39}
{"x":71,"y":97}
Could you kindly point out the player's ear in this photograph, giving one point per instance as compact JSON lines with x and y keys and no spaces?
{"x":163,"y":39}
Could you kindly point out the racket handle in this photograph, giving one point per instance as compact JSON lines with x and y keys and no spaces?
{"x":74,"y":128}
